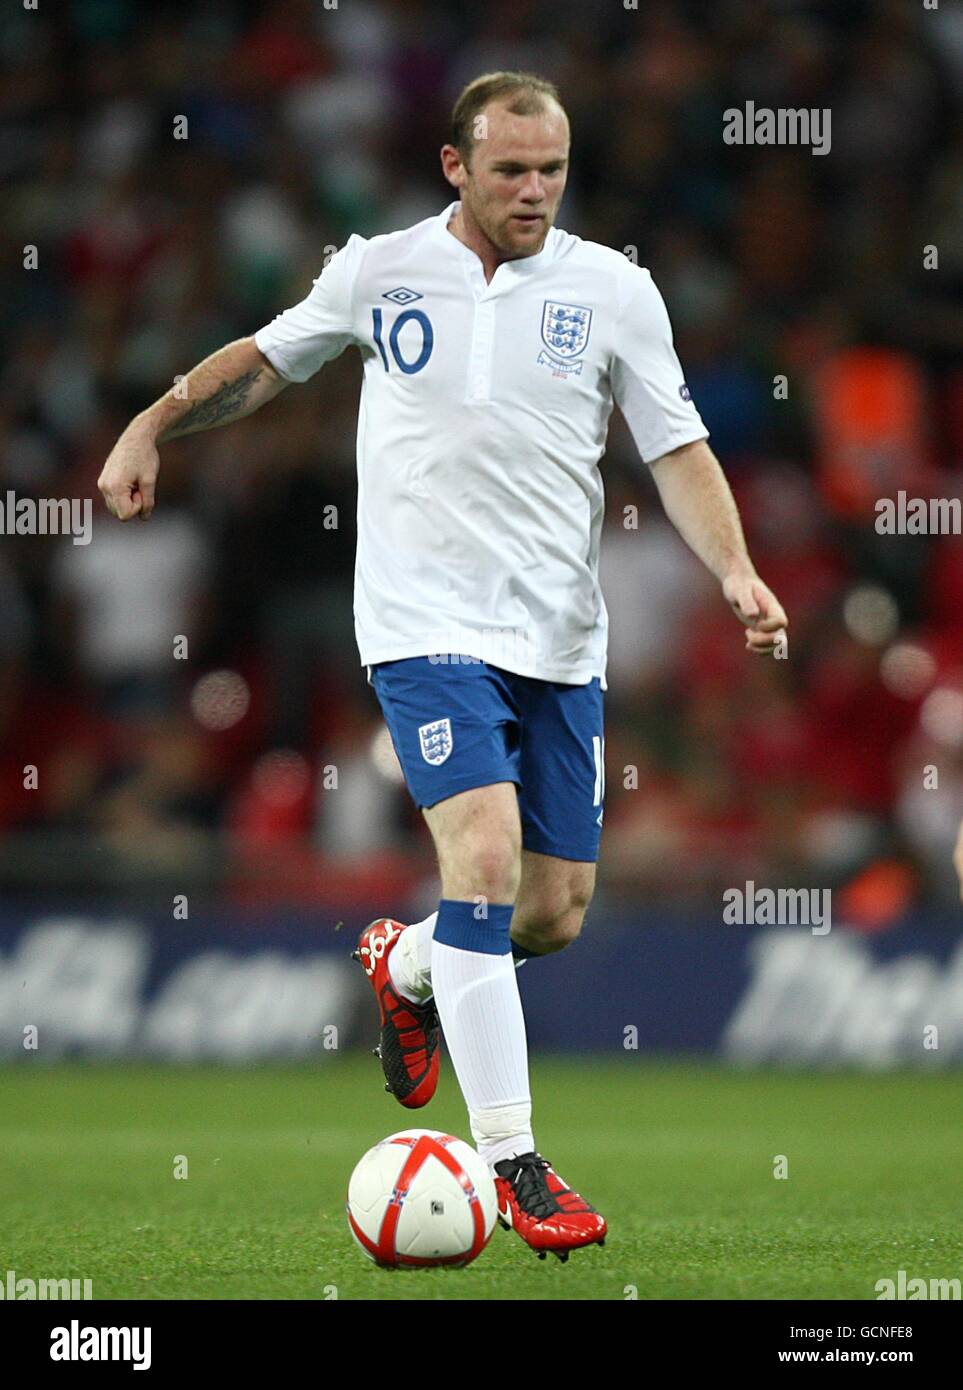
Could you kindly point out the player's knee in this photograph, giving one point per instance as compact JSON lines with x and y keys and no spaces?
{"x":483,"y":865}
{"x":566,"y":928}
{"x":553,"y":923}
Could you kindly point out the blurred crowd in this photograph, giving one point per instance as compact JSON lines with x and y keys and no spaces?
{"x":189,"y":690}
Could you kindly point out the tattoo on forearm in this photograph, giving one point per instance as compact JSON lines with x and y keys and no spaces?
{"x":229,"y":398}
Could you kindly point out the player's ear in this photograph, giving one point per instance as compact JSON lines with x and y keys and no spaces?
{"x":451,"y":165}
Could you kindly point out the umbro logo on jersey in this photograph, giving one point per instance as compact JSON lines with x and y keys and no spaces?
{"x":402,"y":295}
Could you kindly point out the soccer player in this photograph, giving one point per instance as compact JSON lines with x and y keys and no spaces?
{"x":494,"y":345}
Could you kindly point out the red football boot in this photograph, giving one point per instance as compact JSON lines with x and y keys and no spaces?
{"x":534,"y":1201}
{"x":409,"y":1032}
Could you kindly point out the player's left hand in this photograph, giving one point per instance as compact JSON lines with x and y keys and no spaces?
{"x":756,"y":606}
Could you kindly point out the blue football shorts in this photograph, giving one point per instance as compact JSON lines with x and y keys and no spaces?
{"x":461,"y":723}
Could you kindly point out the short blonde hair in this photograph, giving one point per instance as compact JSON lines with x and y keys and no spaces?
{"x":532,"y":94}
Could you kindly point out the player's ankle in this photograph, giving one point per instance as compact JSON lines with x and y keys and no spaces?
{"x":411,"y":982}
{"x":506,"y":1148}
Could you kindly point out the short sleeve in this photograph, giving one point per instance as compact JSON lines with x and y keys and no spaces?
{"x":298,"y":342}
{"x":647,"y":381}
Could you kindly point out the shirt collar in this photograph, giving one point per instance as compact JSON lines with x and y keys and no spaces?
{"x":524,"y":264}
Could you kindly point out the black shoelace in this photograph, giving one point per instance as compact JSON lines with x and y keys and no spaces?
{"x":526,"y":1173}
{"x":429,"y":1015}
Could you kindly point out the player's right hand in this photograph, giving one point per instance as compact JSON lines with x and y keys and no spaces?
{"x":758,"y":609}
{"x":129,"y":476}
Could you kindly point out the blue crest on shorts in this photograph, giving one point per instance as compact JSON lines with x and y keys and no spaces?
{"x":436,"y":741}
{"x":565,"y":328}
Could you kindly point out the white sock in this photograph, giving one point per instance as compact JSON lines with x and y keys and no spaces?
{"x":409,"y":964}
{"x":493,"y":1152}
{"x":481,"y":1013}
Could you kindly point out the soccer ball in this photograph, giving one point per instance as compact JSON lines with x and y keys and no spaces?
{"x":421,"y":1197}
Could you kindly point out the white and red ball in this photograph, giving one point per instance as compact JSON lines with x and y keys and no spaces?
{"x":421,"y":1198}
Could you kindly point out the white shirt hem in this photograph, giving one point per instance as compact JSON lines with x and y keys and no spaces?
{"x":580,"y":675}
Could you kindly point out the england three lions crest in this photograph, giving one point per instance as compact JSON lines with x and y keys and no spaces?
{"x":565,"y":328}
{"x":436,"y":741}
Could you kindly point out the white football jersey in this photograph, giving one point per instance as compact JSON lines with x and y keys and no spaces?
{"x":483,"y":417}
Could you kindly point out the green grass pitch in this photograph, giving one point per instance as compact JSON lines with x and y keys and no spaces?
{"x":679,"y":1157}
